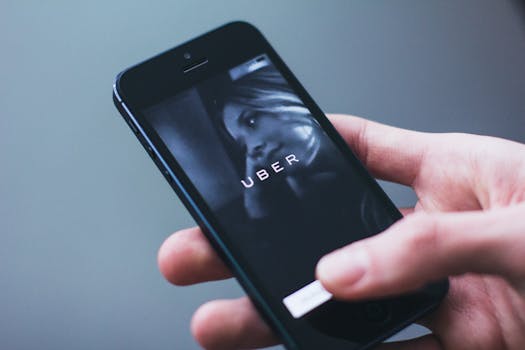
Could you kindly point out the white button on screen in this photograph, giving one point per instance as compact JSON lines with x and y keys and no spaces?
{"x":306,"y":299}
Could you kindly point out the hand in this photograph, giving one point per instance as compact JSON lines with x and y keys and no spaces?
{"x":467,"y":223}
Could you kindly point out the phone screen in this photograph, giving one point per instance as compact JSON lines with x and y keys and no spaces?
{"x":282,"y":191}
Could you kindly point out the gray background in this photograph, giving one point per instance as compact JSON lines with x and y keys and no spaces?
{"x":82,"y":208}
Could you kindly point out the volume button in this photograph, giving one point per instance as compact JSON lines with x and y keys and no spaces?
{"x":132,"y":126}
{"x":167,"y":175}
{"x":151,"y":152}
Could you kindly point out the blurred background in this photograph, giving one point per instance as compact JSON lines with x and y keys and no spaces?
{"x":83,"y":209}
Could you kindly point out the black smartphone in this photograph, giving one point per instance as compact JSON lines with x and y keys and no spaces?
{"x":269,"y":181}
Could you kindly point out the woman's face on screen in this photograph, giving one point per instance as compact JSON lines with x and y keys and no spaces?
{"x":269,"y":137}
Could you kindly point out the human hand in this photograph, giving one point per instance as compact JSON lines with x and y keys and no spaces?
{"x":469,"y":193}
{"x":468,"y":223}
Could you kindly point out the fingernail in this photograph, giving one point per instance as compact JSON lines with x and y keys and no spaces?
{"x":342,"y":268}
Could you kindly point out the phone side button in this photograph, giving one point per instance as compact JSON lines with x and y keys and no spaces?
{"x":167,"y":175}
{"x":132,"y":126}
{"x":152,"y":153}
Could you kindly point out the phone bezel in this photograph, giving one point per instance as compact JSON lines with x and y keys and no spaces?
{"x":224,"y":48}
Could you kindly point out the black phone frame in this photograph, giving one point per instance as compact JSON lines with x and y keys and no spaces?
{"x":162,"y":76}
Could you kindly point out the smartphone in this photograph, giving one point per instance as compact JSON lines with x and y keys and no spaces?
{"x":268,"y":179}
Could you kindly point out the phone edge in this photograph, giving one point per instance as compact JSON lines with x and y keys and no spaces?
{"x":199,"y":217}
{"x":211,"y":234}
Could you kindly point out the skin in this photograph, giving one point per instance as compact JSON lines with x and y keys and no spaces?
{"x":468,"y":224}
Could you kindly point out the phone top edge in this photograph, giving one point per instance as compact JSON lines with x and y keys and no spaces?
{"x":238,"y":24}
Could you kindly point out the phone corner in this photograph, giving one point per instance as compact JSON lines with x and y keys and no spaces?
{"x":242,"y":26}
{"x":117,"y":100}
{"x":118,"y":81}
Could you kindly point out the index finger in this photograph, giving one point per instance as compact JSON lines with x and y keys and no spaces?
{"x":390,"y":153}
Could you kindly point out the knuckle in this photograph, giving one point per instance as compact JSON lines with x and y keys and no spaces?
{"x":423,"y":232}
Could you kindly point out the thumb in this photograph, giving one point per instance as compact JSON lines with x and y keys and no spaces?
{"x":423,"y":248}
